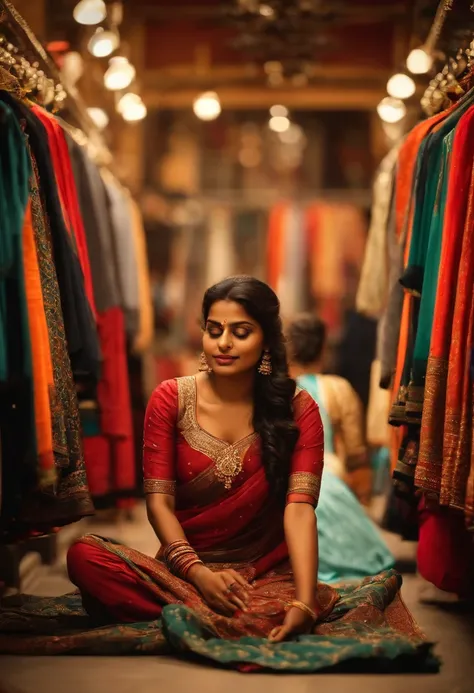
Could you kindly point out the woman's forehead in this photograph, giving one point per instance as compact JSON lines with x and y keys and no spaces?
{"x":228,"y":311}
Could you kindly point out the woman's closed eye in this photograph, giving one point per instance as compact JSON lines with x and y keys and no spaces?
{"x":239,"y":332}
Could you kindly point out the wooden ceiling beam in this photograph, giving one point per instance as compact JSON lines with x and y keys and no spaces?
{"x":252,"y":71}
{"x":320,"y":98}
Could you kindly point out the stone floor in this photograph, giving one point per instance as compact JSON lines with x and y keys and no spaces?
{"x":452,"y":629}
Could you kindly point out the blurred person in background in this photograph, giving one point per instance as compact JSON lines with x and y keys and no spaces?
{"x":350,"y":544}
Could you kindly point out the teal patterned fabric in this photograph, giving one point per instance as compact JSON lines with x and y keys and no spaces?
{"x":369,"y":629}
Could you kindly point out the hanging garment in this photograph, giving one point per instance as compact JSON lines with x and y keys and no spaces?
{"x":67,"y":190}
{"x":81,"y":331}
{"x":372,"y":292}
{"x":93,"y":205}
{"x":456,"y":224}
{"x":144,"y":337}
{"x":43,"y":385}
{"x":349,"y":544}
{"x":124,"y":255}
{"x":444,"y":552}
{"x":17,"y":411}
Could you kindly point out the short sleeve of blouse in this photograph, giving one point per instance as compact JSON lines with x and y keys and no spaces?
{"x":159,"y":439}
{"x":308,"y":458}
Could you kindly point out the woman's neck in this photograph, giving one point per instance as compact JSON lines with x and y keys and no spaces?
{"x":232,"y":389}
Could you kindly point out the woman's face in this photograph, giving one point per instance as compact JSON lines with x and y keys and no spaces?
{"x":233,"y":341}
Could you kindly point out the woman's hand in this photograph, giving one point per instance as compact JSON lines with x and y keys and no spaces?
{"x":297,"y":622}
{"x":225,"y":591}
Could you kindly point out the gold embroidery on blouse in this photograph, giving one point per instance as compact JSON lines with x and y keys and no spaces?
{"x":159,"y":486}
{"x":227,"y":457}
{"x":305,"y":483}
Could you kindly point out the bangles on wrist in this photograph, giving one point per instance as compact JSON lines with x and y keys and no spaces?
{"x":180,"y":557}
{"x":305,"y":608}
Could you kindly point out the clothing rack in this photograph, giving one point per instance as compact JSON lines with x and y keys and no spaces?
{"x":29,"y":71}
{"x":67,"y":99}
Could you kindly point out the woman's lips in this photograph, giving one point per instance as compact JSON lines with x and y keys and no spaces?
{"x":225,"y":360}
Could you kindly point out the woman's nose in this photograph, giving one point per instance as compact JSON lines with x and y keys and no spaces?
{"x":225,"y":341}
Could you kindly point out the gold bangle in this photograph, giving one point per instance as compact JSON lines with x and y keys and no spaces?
{"x":304,"y":607}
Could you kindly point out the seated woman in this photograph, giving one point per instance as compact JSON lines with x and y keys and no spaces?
{"x":233,"y":459}
{"x":350,"y":545}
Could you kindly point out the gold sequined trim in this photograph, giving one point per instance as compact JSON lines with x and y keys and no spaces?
{"x":159,"y":486}
{"x":227,"y":457}
{"x":305,"y":483}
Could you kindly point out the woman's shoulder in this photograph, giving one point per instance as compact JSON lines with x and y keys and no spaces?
{"x":165,"y":394}
{"x":303,"y":402}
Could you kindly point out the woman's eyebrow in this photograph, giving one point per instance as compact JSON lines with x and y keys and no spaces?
{"x":238,"y":323}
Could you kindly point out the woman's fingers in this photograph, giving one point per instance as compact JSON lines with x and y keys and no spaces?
{"x":235,"y":591}
{"x":279,"y":634}
{"x":240,"y":579}
{"x":226,"y":606}
{"x":235,"y":599}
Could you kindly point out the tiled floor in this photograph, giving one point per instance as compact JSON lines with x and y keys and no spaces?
{"x":453,"y":631}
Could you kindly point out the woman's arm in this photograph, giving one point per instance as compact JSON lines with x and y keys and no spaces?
{"x":300,"y":523}
{"x":159,"y":452}
{"x":301,"y":534}
{"x":161,"y":516}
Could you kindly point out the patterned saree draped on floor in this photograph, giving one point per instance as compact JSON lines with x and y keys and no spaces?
{"x":152,"y":611}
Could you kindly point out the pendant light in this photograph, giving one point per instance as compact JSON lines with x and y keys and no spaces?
{"x":120,"y":74}
{"x":419,"y":62}
{"x":90,"y":12}
{"x":401,"y":86}
{"x":391,"y":110}
{"x":207,"y":106}
{"x":103,"y":42}
{"x":279,"y":124}
{"x":131,"y":107}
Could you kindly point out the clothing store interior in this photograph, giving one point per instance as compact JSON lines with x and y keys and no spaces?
{"x":236,"y":412}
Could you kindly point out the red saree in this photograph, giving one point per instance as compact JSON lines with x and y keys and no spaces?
{"x":239,"y":527}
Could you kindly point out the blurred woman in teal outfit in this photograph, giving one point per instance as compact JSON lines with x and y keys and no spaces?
{"x":350,"y":545}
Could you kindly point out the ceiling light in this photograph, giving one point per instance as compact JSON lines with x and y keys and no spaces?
{"x":99,"y":116}
{"x":401,"y":86}
{"x":277,"y":110}
{"x":103,"y":43}
{"x":120,"y":74}
{"x":391,"y":110}
{"x":279,"y":124}
{"x":131,"y":107}
{"x":207,"y":106}
{"x":419,"y":62}
{"x":266,"y":10}
{"x":90,"y":12}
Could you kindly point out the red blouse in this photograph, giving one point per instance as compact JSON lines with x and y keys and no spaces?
{"x":177,"y":451}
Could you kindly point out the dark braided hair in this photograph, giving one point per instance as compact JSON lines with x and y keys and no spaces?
{"x":273,"y":416}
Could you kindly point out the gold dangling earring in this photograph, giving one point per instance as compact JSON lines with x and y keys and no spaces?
{"x":204,"y":367}
{"x":265,"y":367}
